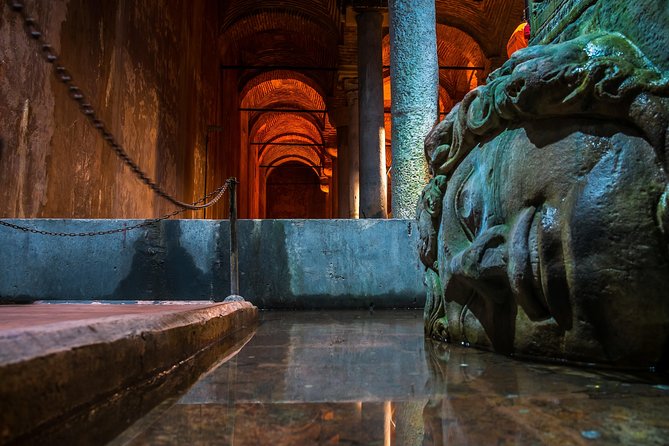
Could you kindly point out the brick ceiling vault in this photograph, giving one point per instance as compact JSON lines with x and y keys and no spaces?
{"x":457,"y":48}
{"x":289,"y":34}
{"x":276,"y":127}
{"x":489,"y":22}
{"x":310,"y":33}
{"x":282,"y":32}
{"x":285,"y":33}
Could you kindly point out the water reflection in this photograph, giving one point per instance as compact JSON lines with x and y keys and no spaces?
{"x":482,"y":398}
{"x":351,"y":378}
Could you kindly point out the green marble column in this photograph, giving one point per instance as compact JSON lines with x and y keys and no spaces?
{"x":414,"y":77}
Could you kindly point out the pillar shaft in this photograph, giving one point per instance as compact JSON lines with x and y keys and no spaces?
{"x":373,"y":182}
{"x":353,"y":156}
{"x":414,"y":77}
{"x":343,"y":183}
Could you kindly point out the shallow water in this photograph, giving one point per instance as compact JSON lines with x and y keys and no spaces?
{"x":360,"y":378}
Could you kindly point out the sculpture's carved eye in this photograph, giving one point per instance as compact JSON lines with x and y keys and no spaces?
{"x":469,"y":207}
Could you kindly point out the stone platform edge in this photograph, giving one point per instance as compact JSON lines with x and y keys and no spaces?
{"x":81,"y":382}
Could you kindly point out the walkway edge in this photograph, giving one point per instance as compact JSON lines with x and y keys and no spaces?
{"x":55,"y":377}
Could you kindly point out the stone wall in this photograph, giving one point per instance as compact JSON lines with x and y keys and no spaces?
{"x":149,"y":69}
{"x":289,"y":264}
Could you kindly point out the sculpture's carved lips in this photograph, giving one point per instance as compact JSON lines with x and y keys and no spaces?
{"x":524,"y":267}
{"x":527,"y":258}
{"x":536,"y":267}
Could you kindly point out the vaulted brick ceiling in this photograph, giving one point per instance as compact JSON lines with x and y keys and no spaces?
{"x":457,"y":48}
{"x":282,"y":32}
{"x":307,"y":32}
{"x":276,"y":129}
{"x":489,"y":22}
{"x":311,"y":33}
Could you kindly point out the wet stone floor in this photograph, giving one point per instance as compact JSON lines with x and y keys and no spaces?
{"x":360,"y":378}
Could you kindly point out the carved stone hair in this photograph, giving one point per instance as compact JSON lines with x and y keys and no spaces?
{"x":580,"y":77}
{"x":601,"y":75}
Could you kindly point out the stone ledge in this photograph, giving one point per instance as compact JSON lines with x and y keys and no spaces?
{"x":290,"y":264}
{"x":83,"y":381}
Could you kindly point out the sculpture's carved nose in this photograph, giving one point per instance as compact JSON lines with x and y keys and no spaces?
{"x":483,"y":265}
{"x":485,"y":258}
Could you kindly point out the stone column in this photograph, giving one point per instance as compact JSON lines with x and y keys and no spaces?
{"x":372,"y":133}
{"x":343,"y":184}
{"x":414,"y":83}
{"x":345,"y":119}
{"x":353,"y":155}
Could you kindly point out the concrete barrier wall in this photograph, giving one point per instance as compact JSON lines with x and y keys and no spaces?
{"x":283,"y":263}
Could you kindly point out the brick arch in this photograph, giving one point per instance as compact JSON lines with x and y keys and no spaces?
{"x":269,"y":153}
{"x":283,"y":90}
{"x":292,"y":137}
{"x":254,"y":79}
{"x":284,"y":93}
{"x":489,"y":22}
{"x":269,"y":126}
{"x":292,"y":158}
{"x":286,"y":200}
{"x":323,"y":12}
{"x":457,"y":48}
{"x":275,"y":33}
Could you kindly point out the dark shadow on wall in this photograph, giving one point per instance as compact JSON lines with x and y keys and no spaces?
{"x":263,"y":262}
{"x":162,"y":269}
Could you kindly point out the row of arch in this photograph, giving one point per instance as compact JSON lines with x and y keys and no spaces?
{"x":283,"y":109}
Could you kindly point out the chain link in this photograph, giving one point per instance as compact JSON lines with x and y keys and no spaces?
{"x":143,"y":224}
{"x":76,"y":94}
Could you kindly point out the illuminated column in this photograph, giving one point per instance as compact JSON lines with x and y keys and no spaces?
{"x":345,"y":119}
{"x":414,"y":78}
{"x":372,"y":133}
{"x":343,"y":185}
{"x":353,"y":154}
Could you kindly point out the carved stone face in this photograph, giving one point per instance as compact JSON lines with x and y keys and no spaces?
{"x":549,"y":237}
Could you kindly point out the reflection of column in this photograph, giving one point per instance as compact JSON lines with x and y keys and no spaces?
{"x":353,"y":154}
{"x":387,"y":422}
{"x":372,"y":131}
{"x":414,"y":74}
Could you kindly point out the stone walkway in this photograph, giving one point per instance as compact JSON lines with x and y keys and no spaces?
{"x":13,"y":317}
{"x":76,"y":373}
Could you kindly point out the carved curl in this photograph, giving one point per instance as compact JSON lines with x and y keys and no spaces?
{"x":428,"y":215}
{"x":600,"y":75}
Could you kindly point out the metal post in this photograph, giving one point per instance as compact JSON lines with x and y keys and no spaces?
{"x":234,"y":249}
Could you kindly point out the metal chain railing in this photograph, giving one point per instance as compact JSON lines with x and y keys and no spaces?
{"x":77,"y":95}
{"x":143,"y":224}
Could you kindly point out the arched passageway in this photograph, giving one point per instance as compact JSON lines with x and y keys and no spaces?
{"x":231,"y":85}
{"x":293,"y":190}
{"x":285,"y":120}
